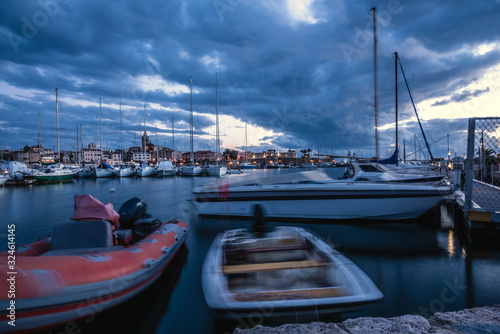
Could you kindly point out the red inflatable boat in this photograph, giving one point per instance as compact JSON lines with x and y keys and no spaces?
{"x":86,"y":266}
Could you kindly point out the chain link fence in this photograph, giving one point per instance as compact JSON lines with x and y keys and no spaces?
{"x":483,"y":156}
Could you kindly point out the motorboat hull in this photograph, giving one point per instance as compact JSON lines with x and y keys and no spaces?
{"x":103,"y":173}
{"x":145,"y":172}
{"x":192,"y":171}
{"x":324,"y":201}
{"x":216,"y":170}
{"x":54,"y":177}
{"x":124,"y":172}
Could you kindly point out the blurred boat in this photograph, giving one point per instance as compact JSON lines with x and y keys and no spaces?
{"x":314,"y":195}
{"x":283,"y":272}
{"x":81,"y":270}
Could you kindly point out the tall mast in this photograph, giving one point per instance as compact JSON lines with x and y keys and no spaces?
{"x":396,"y":107}
{"x":217,"y":140}
{"x":57,"y":121}
{"x":144,"y":136}
{"x":375,"y":79}
{"x":191,"y":130}
{"x":245,"y":143}
{"x":157,"y":143}
{"x":81,"y":144}
{"x":173,"y":138}
{"x":77,"y":148}
{"x":39,"y":132}
{"x":121,"y":132}
{"x":100,"y":128}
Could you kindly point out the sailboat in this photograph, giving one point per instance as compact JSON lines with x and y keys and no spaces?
{"x":103,"y":170}
{"x":57,"y":172}
{"x":246,"y":164}
{"x":192,"y":169}
{"x":217,"y":169}
{"x":122,"y":170}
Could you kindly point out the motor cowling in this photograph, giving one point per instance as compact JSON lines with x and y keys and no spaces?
{"x":131,"y":211}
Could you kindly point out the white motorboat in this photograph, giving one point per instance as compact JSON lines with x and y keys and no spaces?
{"x":145,"y":171}
{"x":216,"y":170}
{"x":314,"y":195}
{"x":123,"y":171}
{"x":165,"y":168}
{"x":286,"y":271}
{"x":192,"y":171}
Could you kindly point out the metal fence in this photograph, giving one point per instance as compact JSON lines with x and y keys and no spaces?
{"x":482,"y":166}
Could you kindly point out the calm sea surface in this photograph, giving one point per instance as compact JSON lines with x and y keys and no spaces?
{"x":421,"y":266}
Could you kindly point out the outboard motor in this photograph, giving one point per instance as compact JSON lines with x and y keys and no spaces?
{"x":130,"y":211}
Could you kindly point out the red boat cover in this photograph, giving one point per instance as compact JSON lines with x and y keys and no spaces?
{"x":88,"y":207}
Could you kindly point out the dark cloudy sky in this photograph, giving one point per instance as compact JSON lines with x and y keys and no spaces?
{"x":298,"y":73}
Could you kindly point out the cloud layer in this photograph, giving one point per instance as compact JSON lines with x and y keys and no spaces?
{"x":299,"y":72}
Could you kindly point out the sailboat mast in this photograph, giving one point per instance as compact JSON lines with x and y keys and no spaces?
{"x":375,"y":80}
{"x":144,"y":137}
{"x":39,"y":132}
{"x":217,"y":140}
{"x":173,"y":138}
{"x":121,"y":132}
{"x":246,"y":143}
{"x":191,"y":121}
{"x":77,"y":148}
{"x":57,"y":121}
{"x":157,"y":143}
{"x":81,"y":144}
{"x":396,"y":106}
{"x":100,"y":127}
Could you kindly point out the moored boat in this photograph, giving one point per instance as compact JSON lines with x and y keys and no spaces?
{"x":54,"y":174}
{"x":145,"y":171}
{"x":283,"y":272}
{"x":314,"y":195}
{"x":87,"y":265}
{"x":165,"y":168}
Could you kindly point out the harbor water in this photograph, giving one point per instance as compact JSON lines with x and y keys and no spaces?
{"x":421,"y":266}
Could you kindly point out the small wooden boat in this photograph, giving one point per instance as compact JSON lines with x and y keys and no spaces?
{"x":86,"y":266}
{"x":281,"y":272}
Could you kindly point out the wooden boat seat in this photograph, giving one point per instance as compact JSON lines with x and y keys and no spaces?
{"x":292,"y":294}
{"x":231,"y":251}
{"x":251,"y":268}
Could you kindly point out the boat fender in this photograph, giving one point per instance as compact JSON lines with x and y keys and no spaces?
{"x":177,"y":237}
{"x":185,"y":229}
